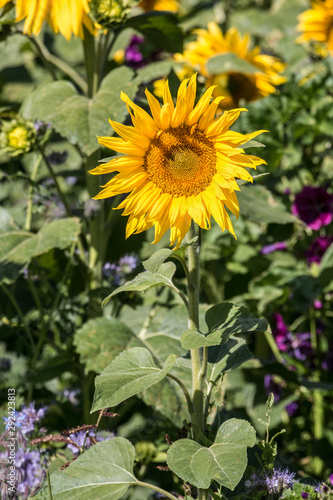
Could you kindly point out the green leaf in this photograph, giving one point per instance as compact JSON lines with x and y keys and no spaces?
{"x":257,"y":204}
{"x":224,"y":461}
{"x":17,"y":248}
{"x":131,"y":372}
{"x":156,"y":260}
{"x":103,"y":471}
{"x":78,"y":118}
{"x":234,"y":319}
{"x":224,"y":320}
{"x":100,"y":340}
{"x":161,"y":28}
{"x":229,"y":63}
{"x":227,"y":357}
{"x":146,"y":280}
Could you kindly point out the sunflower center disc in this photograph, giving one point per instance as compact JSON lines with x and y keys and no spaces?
{"x":181,"y":161}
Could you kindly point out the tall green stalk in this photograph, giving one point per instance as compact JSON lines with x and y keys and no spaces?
{"x":198,"y":355}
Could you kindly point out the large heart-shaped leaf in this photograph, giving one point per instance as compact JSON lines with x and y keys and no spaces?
{"x":130,"y":373}
{"x":103,"y":471}
{"x":224,"y":461}
{"x":17,"y":248}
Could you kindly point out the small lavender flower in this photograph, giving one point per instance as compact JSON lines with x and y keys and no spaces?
{"x":280,"y":245}
{"x":30,"y":464}
{"x":304,"y":494}
{"x":273,"y":482}
{"x":81,"y":438}
{"x":70,"y":395}
{"x":28,"y":417}
{"x":120,"y":269}
{"x":57,"y":157}
{"x":41,"y":127}
{"x":314,"y":206}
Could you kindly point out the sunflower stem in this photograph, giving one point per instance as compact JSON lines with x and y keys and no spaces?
{"x":198,"y":357}
{"x":98,"y":244}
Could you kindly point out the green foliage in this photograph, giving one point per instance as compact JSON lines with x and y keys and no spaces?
{"x":76,"y":117}
{"x":229,"y":62}
{"x":105,"y":470}
{"x":18,"y":248}
{"x":100,"y":340}
{"x":130,"y":373}
{"x":224,"y":461}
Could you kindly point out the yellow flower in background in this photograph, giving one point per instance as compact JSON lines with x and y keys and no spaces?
{"x":317,"y":24}
{"x":64,"y":16}
{"x":168,"y":5}
{"x":181,"y":163}
{"x":232,"y":84}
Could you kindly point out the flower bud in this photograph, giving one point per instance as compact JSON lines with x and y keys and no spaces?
{"x":17,"y":136}
{"x":110,"y":13}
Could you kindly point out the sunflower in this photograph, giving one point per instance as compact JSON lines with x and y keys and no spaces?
{"x":233,"y":84}
{"x":317,"y":24}
{"x":179,"y":164}
{"x":64,"y":16}
{"x":168,"y":5}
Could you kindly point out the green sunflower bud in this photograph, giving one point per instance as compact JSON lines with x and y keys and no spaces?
{"x":145,"y":451}
{"x":110,"y":13}
{"x":17,"y":136}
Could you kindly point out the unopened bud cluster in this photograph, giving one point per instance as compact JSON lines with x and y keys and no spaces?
{"x":110,"y":13}
{"x":17,"y":136}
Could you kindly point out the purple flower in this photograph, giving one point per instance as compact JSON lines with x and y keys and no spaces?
{"x":318,"y":248}
{"x":292,"y":408}
{"x":70,"y":395}
{"x":272,"y":387}
{"x":304,"y":494}
{"x":314,"y":206}
{"x":81,"y":438}
{"x":301,"y":345}
{"x":280,"y":245}
{"x":273,"y":482}
{"x":120,"y":269}
{"x":331,"y":479}
{"x":317,"y":304}
{"x":30,"y":464}
{"x":281,"y":334}
{"x":28,"y":417}
{"x":133,"y":56}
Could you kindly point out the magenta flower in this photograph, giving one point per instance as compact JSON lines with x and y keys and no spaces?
{"x":280,"y":245}
{"x":314,"y":206}
{"x":318,"y":248}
